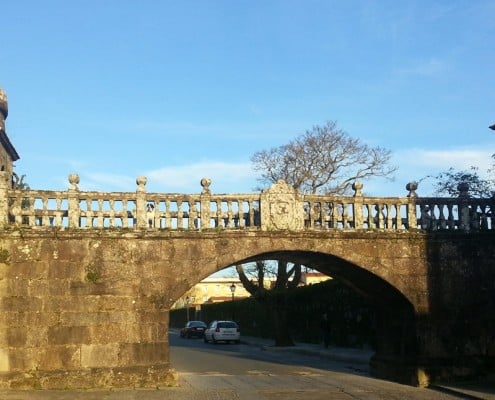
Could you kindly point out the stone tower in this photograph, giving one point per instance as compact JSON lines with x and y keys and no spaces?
{"x":8,"y":154}
{"x":4,"y":109}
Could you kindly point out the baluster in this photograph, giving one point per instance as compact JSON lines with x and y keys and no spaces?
{"x":218,"y":217}
{"x":45,"y":221}
{"x":368,"y":221}
{"x":59,"y":212}
{"x":125,"y":214}
{"x":344,"y":215}
{"x":230,"y":215}
{"x":168,"y":219}
{"x":252,"y":214}
{"x":425,"y":217}
{"x":112,"y":213}
{"x":242,"y":222}
{"x":475,"y":218}
{"x":17,"y":209}
{"x":317,"y":215}
{"x":442,"y":222}
{"x":335,"y":216}
{"x":450,"y":216}
{"x":325,"y":212}
{"x":484,"y":219}
{"x":387,"y":216}
{"x":180,"y":224}
{"x":90,"y":214}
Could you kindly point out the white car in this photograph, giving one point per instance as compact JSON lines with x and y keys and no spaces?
{"x":222,"y":331}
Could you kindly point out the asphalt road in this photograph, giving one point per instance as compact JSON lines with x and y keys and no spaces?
{"x":252,"y":373}
{"x":243,"y":372}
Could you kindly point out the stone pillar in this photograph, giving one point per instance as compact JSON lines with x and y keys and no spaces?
{"x":5,"y":182}
{"x":464,"y":217}
{"x":73,"y":196}
{"x":281,"y":208}
{"x":412,"y":221}
{"x":358,"y":205}
{"x":205,"y":203}
{"x":141,"y":202}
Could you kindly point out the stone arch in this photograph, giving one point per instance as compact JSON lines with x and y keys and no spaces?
{"x":396,"y":325}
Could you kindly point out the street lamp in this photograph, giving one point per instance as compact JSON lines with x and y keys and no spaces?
{"x":187,"y":308}
{"x":193,"y":303}
{"x":232,"y":290}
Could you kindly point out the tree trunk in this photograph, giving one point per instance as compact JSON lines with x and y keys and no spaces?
{"x":280,"y":317}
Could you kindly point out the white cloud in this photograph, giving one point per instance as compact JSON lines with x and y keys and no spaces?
{"x":414,"y":164}
{"x":107,"y":182}
{"x":441,"y":160}
{"x":226,"y":178}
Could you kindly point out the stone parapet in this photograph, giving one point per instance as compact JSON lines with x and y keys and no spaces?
{"x":278,"y":208}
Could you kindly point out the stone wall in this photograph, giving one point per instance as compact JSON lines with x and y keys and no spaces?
{"x":81,"y":308}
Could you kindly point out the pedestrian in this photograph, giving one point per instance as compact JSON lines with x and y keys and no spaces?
{"x":325,"y":330}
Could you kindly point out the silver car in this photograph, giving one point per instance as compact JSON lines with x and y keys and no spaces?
{"x":222,"y":331}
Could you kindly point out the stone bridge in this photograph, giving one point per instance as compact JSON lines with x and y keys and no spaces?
{"x":87,"y":278}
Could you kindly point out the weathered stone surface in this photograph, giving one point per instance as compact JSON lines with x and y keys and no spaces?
{"x":108,"y":312}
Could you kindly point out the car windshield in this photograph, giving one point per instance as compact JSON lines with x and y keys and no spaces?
{"x":227,"y":324}
{"x":197,"y":324}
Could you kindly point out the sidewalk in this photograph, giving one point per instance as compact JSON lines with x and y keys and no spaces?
{"x":483,"y":389}
{"x":357,"y":356}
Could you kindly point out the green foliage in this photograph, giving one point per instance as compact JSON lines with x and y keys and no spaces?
{"x":92,"y":276}
{"x":19,"y":183}
{"x":4,"y":256}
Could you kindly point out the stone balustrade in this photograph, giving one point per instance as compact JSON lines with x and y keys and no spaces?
{"x":279,"y":207}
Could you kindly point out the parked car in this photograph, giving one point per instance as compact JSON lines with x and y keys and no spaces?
{"x":193,"y":329}
{"x":222,"y":331}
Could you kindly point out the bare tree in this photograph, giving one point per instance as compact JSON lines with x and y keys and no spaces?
{"x":272,"y":292}
{"x":324,"y":159}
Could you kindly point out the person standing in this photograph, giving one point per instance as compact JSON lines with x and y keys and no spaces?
{"x":325,"y":328}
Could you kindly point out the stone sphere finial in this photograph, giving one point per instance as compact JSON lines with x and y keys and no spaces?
{"x":74,"y":181}
{"x":463,"y":189}
{"x":411,"y":187}
{"x":206,"y":182}
{"x":358,"y":188}
{"x":4,"y":107}
{"x":141,"y":182}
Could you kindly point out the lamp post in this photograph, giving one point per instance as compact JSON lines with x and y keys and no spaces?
{"x":193,"y":304}
{"x":187,"y":308}
{"x":232,"y":290}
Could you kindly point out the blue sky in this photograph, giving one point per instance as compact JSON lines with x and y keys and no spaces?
{"x":179,"y":90}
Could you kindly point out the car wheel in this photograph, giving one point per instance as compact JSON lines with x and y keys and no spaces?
{"x":237,"y":341}
{"x":213,"y":339}
{"x":204,"y":339}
